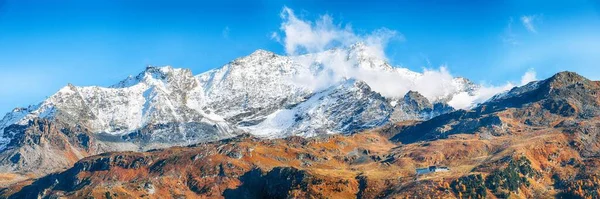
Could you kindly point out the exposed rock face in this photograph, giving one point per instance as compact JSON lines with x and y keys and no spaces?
{"x":280,"y":182}
{"x":415,"y":106}
{"x":44,"y":146}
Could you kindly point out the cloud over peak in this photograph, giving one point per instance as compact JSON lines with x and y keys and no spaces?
{"x":304,"y":36}
{"x":315,"y":38}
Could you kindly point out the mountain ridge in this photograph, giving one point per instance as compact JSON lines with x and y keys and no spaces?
{"x":160,"y":78}
{"x":165,"y":106}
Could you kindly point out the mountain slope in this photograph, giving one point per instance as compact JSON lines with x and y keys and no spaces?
{"x":535,"y":141}
{"x":249,"y":88}
{"x":348,"y":107}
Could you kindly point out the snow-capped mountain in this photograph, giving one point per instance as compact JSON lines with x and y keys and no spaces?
{"x":264,"y":94}
{"x":247,"y":89}
{"x":163,"y":99}
{"x":348,"y":107}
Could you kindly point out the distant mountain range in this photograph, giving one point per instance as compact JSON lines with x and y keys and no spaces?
{"x":263,"y":94}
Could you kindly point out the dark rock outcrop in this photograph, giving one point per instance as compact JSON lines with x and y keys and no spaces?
{"x":414,"y":106}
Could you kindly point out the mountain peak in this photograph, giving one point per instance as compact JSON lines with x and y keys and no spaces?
{"x":358,"y":45}
{"x":414,"y":98}
{"x":68,"y":88}
{"x":361,"y":49}
{"x":414,"y":95}
{"x":355,"y":83}
{"x":163,"y":69}
{"x":161,"y":72}
{"x":154,"y":73}
{"x":258,"y":56}
{"x":262,"y":53}
{"x":19,"y":109}
{"x":566,"y":78}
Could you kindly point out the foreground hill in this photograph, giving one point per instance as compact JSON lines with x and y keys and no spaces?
{"x":535,"y":141}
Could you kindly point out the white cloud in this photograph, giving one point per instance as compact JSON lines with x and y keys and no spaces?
{"x":316,"y":37}
{"x":466,"y":101}
{"x":303,"y":36}
{"x":528,"y":22}
{"x":529,"y":76}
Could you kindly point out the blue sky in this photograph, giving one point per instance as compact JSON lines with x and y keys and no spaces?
{"x":45,"y":44}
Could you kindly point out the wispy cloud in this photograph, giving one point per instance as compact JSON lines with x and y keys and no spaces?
{"x":509,"y":37}
{"x":275,"y":36}
{"x":225,"y":32}
{"x":529,"y":22}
